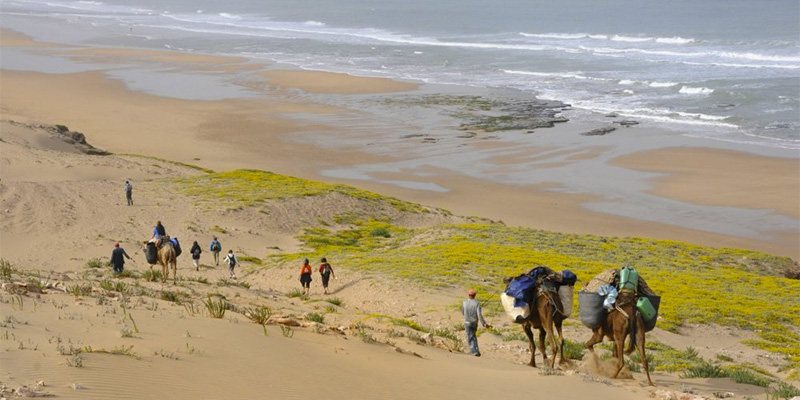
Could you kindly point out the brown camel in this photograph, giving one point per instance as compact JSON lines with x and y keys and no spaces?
{"x":620,"y":322}
{"x":166,"y":257}
{"x":548,"y":312}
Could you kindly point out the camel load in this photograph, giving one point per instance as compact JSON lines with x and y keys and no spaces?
{"x":519,"y":297}
{"x":600,"y":294}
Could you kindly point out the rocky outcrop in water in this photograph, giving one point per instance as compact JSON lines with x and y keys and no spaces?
{"x":599,"y":131}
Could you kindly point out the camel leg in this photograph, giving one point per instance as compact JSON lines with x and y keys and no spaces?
{"x":597,"y":337}
{"x":542,"y":336}
{"x":164,"y":273}
{"x":547,"y":324}
{"x":174,"y":273}
{"x":620,"y":332}
{"x":560,"y":340}
{"x":640,"y":345}
{"x":529,"y":333}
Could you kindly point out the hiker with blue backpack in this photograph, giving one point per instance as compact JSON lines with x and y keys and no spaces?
{"x":325,"y":270}
{"x":215,"y":248}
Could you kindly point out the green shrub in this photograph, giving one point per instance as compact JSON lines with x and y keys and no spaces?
{"x":572,"y":350}
{"x":79,"y":290}
{"x":297,"y":293}
{"x":169,"y":295}
{"x":704,"y":370}
{"x":114,"y":286}
{"x":259,"y":314}
{"x":151,"y":275}
{"x":335,"y":301}
{"x":216,"y":308}
{"x":6,"y":269}
{"x":98,"y":263}
{"x":782,"y":390}
{"x":380,"y":232}
{"x":741,"y":374}
{"x":315,"y":317}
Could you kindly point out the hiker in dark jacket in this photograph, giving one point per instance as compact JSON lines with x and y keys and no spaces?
{"x":325,"y":270}
{"x":196,"y":255}
{"x":118,"y":258}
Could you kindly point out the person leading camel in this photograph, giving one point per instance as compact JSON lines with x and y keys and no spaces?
{"x":471,"y":309}
{"x":118,"y":256}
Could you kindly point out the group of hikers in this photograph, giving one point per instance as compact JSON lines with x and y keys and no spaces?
{"x":118,"y":254}
{"x":159,"y":235}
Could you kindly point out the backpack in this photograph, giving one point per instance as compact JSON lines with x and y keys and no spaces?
{"x":326,"y":269}
{"x":215,"y":246}
{"x":232,"y":260}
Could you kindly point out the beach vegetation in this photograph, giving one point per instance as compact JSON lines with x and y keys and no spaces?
{"x":226,"y":282}
{"x":698,"y":285}
{"x":335,"y":301}
{"x":248,"y":188}
{"x":250,"y":259}
{"x":165,"y":161}
{"x":97,"y":263}
{"x":216,"y":307}
{"x":78,"y":290}
{"x":259,"y":315}
{"x":6,"y":270}
{"x":297,"y":293}
{"x":114,"y":286}
{"x":171,"y":296}
{"x":782,"y":390}
{"x":572,"y":350}
{"x":287,"y":331}
{"x":75,"y":361}
{"x":315,"y":317}
{"x":151,"y":275}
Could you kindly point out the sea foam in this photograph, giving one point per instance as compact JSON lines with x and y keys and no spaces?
{"x":695,"y":90}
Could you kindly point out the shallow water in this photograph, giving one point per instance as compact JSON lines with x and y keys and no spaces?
{"x":720,"y":69}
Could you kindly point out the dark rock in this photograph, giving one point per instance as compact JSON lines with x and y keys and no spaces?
{"x":599,"y":131}
{"x":94,"y":151}
{"x":77,"y":136}
{"x":627,"y":122}
{"x":612,"y":115}
{"x":467,"y":135}
{"x":412,"y":135}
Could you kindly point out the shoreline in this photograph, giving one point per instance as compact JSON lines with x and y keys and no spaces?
{"x":267,"y":134}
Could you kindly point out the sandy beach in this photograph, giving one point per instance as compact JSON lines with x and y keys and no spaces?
{"x":62,"y":208}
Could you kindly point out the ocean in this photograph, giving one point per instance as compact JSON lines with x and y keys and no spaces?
{"x":726,"y":70}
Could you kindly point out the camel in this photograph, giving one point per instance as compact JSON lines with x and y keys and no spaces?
{"x":548,"y":312}
{"x":620,"y":322}
{"x":166,"y":257}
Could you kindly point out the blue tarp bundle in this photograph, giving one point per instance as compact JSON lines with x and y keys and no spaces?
{"x":521,"y":287}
